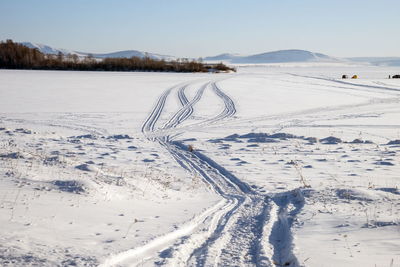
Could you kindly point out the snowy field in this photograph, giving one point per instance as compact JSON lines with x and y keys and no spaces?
{"x":275,"y":165}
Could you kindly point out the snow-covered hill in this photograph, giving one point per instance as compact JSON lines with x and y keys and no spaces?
{"x":223,"y":57}
{"x":280,"y":56}
{"x":46,"y":49}
{"x":268,"y":57}
{"x":295,"y":55}
{"x":132,"y":53}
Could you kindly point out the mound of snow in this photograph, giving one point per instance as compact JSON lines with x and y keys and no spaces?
{"x":392,"y":190}
{"x":254,"y":135}
{"x":394,"y":142}
{"x":384,"y":163}
{"x":359,"y":141}
{"x":262,"y":140}
{"x":84,"y":167}
{"x":119,"y":136}
{"x":70,"y":186}
{"x":13,"y":155}
{"x":331,"y":140}
{"x":283,"y":136}
{"x":85,"y":136}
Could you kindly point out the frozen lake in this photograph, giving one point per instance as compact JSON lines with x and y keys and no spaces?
{"x":275,"y":165}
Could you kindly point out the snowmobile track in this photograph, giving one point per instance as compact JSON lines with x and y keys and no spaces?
{"x":231,"y":233}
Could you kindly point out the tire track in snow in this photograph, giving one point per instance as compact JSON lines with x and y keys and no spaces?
{"x":187,"y":108}
{"x":237,"y":236}
{"x":139,"y":255}
{"x":148,"y":125}
{"x":228,"y":111}
{"x":229,"y":234}
{"x":244,"y":224}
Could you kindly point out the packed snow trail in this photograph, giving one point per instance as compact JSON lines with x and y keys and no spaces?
{"x":245,"y":229}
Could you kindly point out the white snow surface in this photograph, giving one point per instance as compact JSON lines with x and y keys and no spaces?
{"x":275,"y":165}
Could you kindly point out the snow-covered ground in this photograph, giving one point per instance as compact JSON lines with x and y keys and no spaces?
{"x":290,"y":166}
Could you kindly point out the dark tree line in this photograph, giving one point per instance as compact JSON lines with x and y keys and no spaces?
{"x":18,"y":56}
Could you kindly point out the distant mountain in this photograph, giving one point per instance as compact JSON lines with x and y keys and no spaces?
{"x":222,"y":57}
{"x":131,"y":53}
{"x":280,"y":56}
{"x":287,"y":56}
{"x":45,"y":49}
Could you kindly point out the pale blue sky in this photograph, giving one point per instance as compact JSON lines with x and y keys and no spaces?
{"x":202,"y":28}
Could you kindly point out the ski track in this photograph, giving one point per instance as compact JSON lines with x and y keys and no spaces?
{"x":240,"y":230}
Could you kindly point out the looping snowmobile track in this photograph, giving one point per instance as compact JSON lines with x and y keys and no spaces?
{"x":243,"y":229}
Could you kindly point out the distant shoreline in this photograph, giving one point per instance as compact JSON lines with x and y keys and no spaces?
{"x":17,"y":56}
